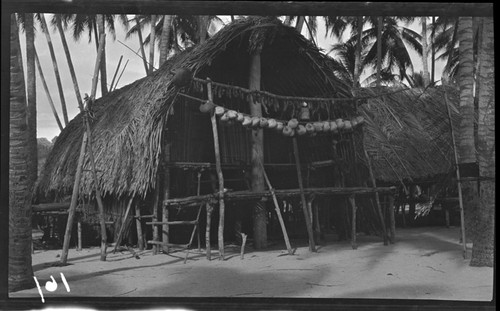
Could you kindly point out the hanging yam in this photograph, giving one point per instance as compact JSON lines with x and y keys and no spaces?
{"x":301,"y":130}
{"x":219,"y":110}
{"x":271,"y":123}
{"x":340,"y":124}
{"x":347,"y":125}
{"x":263,"y":122}
{"x":360,"y":119}
{"x":326,"y":126}
{"x":255,"y":121}
{"x":279,"y":126}
{"x":354,"y":122}
{"x":231,"y":114}
{"x":333,"y":126}
{"x":287,"y":131}
{"x":247,"y":121}
{"x":224,"y":117}
{"x":293,"y":123}
{"x":207,"y":107}
{"x":240,"y":117}
{"x":309,"y":128}
{"x":318,"y":126}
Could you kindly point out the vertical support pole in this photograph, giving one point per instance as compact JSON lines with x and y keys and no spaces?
{"x":377,"y":198}
{"x":352,"y":200}
{"x":79,"y":224}
{"x":392,"y":218}
{"x":198,"y":191}
{"x":447,"y":216}
{"x":124,"y":224}
{"x":140,"y":239}
{"x":317,"y":228}
{"x":207,"y":230}
{"x":166,"y":195}
{"x":156,"y":199}
{"x":308,"y":220}
{"x":219,"y":175}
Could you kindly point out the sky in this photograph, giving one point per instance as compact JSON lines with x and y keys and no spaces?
{"x":83,"y":55}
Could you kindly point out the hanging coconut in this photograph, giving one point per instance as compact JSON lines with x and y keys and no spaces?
{"x":263,"y":122}
{"x":279,"y":126}
{"x":232,"y":114}
{"x":247,"y":121}
{"x":255,"y":121}
{"x":207,"y":107}
{"x":354,"y":122}
{"x":240,"y":117}
{"x":271,"y":123}
{"x":287,"y":131}
{"x":326,"y":126}
{"x":224,"y":117}
{"x":293,"y":123}
{"x":318,"y":126}
{"x":347,"y":125}
{"x":219,"y":110}
{"x":309,"y":128}
{"x":340,"y":124}
{"x":301,"y":130}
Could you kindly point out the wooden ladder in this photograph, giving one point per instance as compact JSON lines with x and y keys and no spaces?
{"x":195,"y":223}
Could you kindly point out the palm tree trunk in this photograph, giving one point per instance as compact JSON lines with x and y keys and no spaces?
{"x":288,"y":20}
{"x":202,"y":30}
{"x":483,"y":242}
{"x":357,"y":57}
{"x":20,"y":269}
{"x":141,"y":44}
{"x":257,"y":143}
{"x":104,"y":78}
{"x":31,"y":91}
{"x":466,"y":141}
{"x":379,"y":48}
{"x":300,"y":23}
{"x":152,"y":44}
{"x":165,"y":38}
{"x":425,"y":52}
{"x":433,"y":52}
{"x":45,"y":29}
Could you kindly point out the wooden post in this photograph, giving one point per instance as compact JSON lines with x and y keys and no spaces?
{"x":166,"y":196}
{"x":278,"y":212}
{"x":220,"y":177}
{"x":459,"y":186}
{"x":377,"y":198}
{"x":198,"y":191}
{"x":317,"y":228}
{"x":352,"y":200}
{"x":392,"y":218}
{"x":79,"y":235}
{"x":156,"y":199}
{"x":447,"y":216}
{"x":124,"y":222}
{"x":140,"y":239}
{"x":207,"y":230}
{"x":74,"y":198}
{"x":312,"y":247}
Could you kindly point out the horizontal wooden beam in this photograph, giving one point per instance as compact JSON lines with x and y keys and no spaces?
{"x":308,"y":8}
{"x":171,"y":223}
{"x":53,"y":207}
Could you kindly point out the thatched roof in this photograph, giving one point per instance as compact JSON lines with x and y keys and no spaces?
{"x":129,"y":122}
{"x":407,"y":133}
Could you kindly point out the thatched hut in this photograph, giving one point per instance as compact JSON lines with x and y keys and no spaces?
{"x":150,"y":142}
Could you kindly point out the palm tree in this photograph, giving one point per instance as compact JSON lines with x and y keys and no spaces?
{"x":165,"y":38}
{"x":31,"y":92}
{"x":483,"y":242}
{"x":425,"y":51}
{"x":20,"y":270}
{"x":466,"y":142}
{"x":394,"y":41}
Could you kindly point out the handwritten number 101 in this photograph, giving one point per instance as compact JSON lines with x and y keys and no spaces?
{"x":51,"y":286}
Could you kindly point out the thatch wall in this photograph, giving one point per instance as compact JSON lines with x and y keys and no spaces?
{"x":407,"y":133}
{"x":129,"y":123}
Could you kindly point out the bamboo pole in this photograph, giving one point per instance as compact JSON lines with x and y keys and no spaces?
{"x":79,"y":223}
{"x":377,"y":197}
{"x":278,"y":212}
{"x":207,"y":230}
{"x":459,"y":184}
{"x":219,"y":175}
{"x":46,"y":88}
{"x":116,"y":72}
{"x":392,"y":219}
{"x":156,"y":199}
{"x":140,"y":238}
{"x":166,"y":195}
{"x":124,"y":223}
{"x":312,"y":247}
{"x":120,"y":76}
{"x":74,"y":198}
{"x":317,"y":227}
{"x":352,"y":200}
{"x":152,"y":38}
{"x":141,"y":45}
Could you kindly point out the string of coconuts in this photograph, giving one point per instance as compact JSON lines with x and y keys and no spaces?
{"x":287,"y":128}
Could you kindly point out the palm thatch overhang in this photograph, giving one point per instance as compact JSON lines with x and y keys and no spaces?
{"x":127,"y":131}
{"x":407,"y":133}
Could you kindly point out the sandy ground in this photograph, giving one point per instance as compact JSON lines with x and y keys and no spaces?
{"x":424,"y":263}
